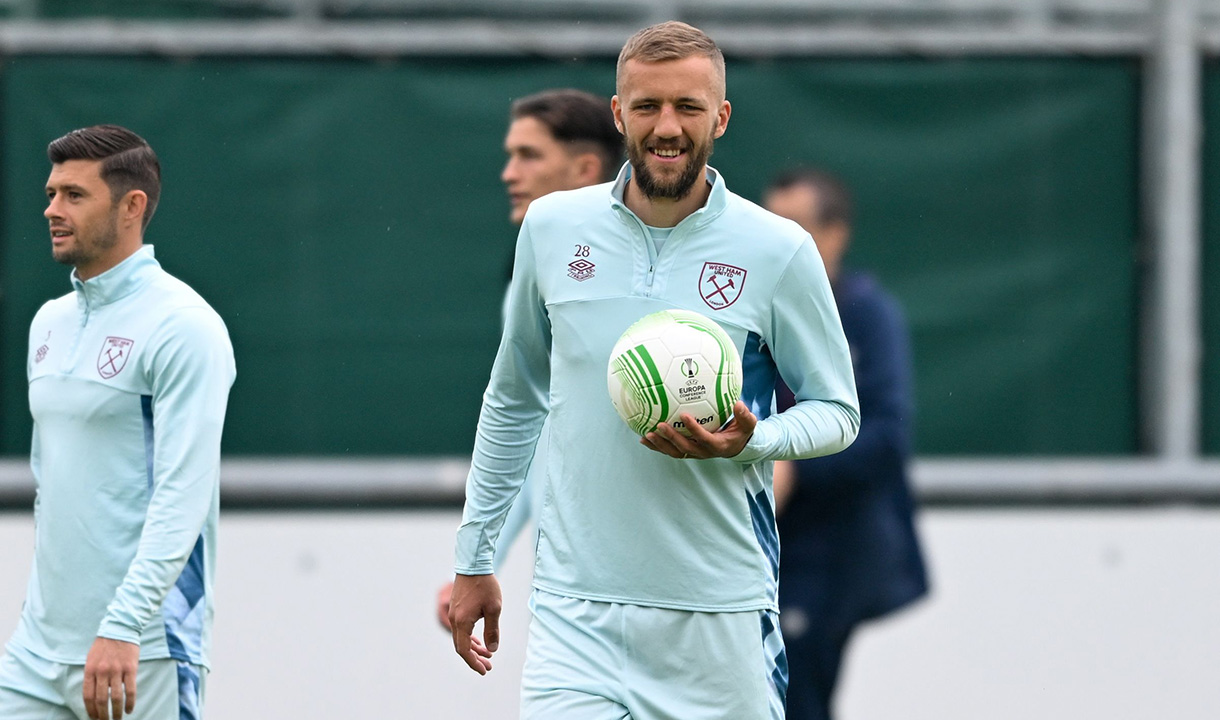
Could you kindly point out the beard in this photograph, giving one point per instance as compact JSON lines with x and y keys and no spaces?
{"x":679,"y":187}
{"x":90,"y":244}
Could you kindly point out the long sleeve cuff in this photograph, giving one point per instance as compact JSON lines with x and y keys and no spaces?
{"x":116,"y":631}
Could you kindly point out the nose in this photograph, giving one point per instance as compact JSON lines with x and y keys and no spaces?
{"x":509,"y":174}
{"x":667,"y":124}
{"x":52,"y":211}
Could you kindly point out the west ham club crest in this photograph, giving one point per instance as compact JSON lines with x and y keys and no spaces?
{"x":113,"y":357}
{"x":720,"y":285}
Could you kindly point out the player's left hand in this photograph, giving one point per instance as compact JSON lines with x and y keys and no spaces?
{"x":110,"y":679}
{"x":724,"y":443}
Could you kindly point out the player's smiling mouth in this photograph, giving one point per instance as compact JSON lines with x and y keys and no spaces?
{"x":667,"y":153}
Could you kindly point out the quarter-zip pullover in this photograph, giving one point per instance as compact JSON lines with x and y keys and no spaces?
{"x":619,"y":522}
{"x":129,"y":378}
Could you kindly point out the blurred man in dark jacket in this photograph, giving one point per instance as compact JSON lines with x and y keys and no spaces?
{"x":849,"y":552}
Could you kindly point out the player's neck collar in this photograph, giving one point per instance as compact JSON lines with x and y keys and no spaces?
{"x":119,"y":281}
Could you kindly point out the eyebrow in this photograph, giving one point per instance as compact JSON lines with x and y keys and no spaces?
{"x":521,"y":147}
{"x":684,"y":99}
{"x":66,"y":186}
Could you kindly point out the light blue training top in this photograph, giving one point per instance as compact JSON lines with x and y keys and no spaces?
{"x":619,"y":522}
{"x":129,"y":379}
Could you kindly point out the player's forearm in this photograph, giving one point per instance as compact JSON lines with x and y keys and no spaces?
{"x":514,"y":409}
{"x":520,"y":516}
{"x":808,"y":429}
{"x":142,"y":593}
{"x":504,"y":445}
{"x":172,"y":530}
{"x":185,"y":491}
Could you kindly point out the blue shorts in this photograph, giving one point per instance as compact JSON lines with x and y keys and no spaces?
{"x":605,"y":661}
{"x":32,"y":688}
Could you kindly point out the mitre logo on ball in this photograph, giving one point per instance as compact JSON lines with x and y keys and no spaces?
{"x":673,"y":362}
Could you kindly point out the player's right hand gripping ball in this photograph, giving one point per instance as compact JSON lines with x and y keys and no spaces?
{"x":673,"y":362}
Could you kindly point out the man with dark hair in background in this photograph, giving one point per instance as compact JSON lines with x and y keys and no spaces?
{"x":557,"y":140}
{"x":849,"y":549}
{"x":129,"y":378}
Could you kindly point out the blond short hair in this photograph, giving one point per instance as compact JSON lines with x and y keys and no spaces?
{"x":671,"y":40}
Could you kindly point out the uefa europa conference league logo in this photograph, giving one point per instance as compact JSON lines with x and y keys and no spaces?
{"x":673,"y":362}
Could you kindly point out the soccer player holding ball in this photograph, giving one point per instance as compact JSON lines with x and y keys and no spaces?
{"x":657,"y":566}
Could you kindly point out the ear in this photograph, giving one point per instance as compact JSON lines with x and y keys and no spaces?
{"x":722,"y":118}
{"x":834,"y":237}
{"x":588,"y":169}
{"x":131,"y":207}
{"x":617,"y":108}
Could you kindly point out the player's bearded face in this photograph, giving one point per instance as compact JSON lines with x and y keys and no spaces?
{"x":668,"y":185}
{"x":92,"y":240}
{"x":81,"y":212}
{"x":670,"y":112}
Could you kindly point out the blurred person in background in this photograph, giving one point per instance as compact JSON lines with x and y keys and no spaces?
{"x":849,"y":551}
{"x":557,"y":140}
{"x":129,"y":378}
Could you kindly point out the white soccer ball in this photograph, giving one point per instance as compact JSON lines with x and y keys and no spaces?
{"x":673,"y":362}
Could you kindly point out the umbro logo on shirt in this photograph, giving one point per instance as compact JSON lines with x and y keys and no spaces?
{"x":581,"y":270}
{"x":42,"y":351}
{"x":113,"y":357}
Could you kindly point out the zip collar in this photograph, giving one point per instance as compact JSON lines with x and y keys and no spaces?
{"x":716,"y":203}
{"x":119,"y":281}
